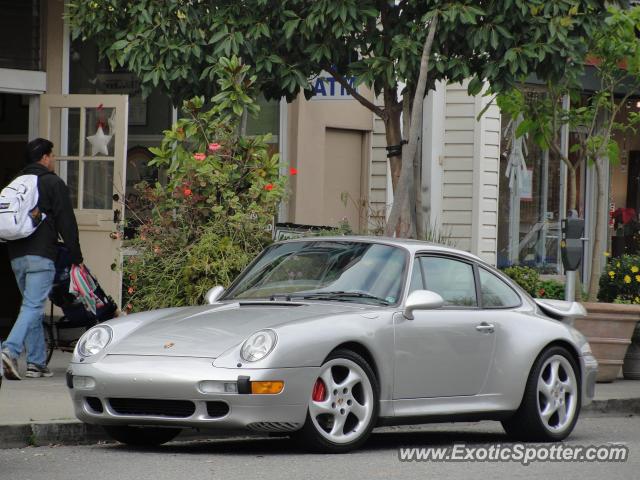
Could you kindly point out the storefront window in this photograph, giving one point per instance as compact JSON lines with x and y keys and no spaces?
{"x":530,"y":202}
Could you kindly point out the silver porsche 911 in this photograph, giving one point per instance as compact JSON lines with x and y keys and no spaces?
{"x":326,"y":338}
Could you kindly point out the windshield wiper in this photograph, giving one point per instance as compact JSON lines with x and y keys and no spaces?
{"x":337,"y":295}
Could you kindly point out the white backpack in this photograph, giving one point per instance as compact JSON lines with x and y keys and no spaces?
{"x":19,"y":212}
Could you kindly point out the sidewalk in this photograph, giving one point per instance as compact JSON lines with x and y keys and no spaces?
{"x":39,"y":411}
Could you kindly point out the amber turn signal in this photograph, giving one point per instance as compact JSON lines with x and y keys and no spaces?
{"x":267,"y":388}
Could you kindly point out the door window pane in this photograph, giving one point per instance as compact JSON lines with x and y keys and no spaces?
{"x":496,"y":293}
{"x":68,"y":171}
{"x":416,"y":277}
{"x":98,"y":185}
{"x":452,"y":279}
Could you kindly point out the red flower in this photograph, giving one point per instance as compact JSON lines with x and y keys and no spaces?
{"x":214,"y":146}
{"x":199,"y":156}
{"x":131,"y":290}
{"x":293,"y":171}
{"x":187,"y":192}
{"x":541,"y":292}
{"x":268,"y":187}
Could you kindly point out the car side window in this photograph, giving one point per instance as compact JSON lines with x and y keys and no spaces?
{"x":452,"y":279}
{"x":495,"y":292}
{"x":416,"y":277}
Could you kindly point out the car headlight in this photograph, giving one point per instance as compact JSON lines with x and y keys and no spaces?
{"x":258,"y":345}
{"x":94,"y":341}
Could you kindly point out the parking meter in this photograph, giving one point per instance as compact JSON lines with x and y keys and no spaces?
{"x":571,"y":244}
{"x":571,"y":247}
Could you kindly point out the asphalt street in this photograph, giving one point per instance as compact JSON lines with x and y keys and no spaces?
{"x":277,"y":458}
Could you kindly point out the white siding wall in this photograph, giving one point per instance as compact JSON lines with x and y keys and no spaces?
{"x":470,"y":169}
{"x":378,"y":201}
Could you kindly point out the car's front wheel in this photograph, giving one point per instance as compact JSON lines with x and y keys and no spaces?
{"x":551,"y":403}
{"x":142,"y":436}
{"x":343,"y":404}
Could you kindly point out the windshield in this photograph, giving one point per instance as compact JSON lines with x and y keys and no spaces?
{"x":331,"y":270}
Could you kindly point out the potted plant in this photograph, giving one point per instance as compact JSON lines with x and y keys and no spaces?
{"x":610,"y":322}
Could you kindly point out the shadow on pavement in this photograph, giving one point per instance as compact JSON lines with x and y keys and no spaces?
{"x":287,"y":446}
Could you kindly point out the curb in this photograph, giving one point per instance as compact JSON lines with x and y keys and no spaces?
{"x":612,"y":406}
{"x":76,"y":433}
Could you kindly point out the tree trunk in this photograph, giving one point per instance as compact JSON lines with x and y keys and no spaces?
{"x":596,"y":253}
{"x":393,"y":132}
{"x":405,"y":190}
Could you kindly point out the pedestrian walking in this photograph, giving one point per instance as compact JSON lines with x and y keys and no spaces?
{"x":32,"y":245}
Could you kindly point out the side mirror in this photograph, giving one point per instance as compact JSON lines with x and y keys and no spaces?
{"x":213,"y":294}
{"x":421,"y":300}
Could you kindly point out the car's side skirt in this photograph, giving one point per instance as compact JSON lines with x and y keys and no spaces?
{"x":444,"y":418}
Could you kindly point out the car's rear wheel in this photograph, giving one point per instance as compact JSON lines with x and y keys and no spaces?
{"x":551,"y":403}
{"x":142,"y":436}
{"x":343,"y":404}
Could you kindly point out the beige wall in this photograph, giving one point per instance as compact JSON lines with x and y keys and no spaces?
{"x":53,"y":45}
{"x":308,"y":148}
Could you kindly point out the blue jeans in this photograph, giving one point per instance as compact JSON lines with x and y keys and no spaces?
{"x":34,"y":275}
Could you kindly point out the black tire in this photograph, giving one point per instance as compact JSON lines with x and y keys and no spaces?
{"x":142,"y":436}
{"x":309,"y":436}
{"x":526,"y":424}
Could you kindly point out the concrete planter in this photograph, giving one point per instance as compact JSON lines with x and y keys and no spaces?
{"x":609,"y":327}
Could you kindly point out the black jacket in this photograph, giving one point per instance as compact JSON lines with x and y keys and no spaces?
{"x":54,"y":200}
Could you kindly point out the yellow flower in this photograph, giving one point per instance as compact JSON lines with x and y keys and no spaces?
{"x":618,"y":264}
{"x":635,"y":269}
{"x":612,"y":274}
{"x":627,"y":279}
{"x":607,"y":254}
{"x":638,"y":278}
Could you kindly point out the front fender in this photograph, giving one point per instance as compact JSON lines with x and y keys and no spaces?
{"x":307,"y":343}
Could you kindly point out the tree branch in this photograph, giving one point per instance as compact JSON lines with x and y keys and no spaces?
{"x":354,"y":93}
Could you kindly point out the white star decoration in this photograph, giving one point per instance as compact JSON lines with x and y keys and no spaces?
{"x":99,"y":142}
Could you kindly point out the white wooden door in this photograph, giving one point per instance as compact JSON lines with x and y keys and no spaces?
{"x":89,"y":133}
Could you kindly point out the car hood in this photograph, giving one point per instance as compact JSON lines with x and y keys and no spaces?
{"x":208,"y":331}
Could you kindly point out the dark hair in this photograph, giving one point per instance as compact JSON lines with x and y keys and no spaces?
{"x":37,"y":148}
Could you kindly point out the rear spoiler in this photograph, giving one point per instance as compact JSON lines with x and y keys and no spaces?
{"x":561,"y":309}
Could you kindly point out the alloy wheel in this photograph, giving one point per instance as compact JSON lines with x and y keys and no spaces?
{"x":557,"y":393}
{"x":342,"y":401}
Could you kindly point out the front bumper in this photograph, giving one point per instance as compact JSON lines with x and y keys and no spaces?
{"x":589,"y":367}
{"x":134,"y":379}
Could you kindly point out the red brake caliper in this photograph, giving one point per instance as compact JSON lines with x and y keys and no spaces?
{"x":319,"y":391}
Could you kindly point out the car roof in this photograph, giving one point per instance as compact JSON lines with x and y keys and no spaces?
{"x":412,"y":245}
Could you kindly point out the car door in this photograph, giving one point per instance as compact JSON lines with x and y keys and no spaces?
{"x":448,"y":351}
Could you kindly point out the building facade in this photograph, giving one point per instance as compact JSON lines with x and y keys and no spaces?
{"x":52,"y":86}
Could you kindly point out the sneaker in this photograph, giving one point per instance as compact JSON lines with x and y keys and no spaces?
{"x":36,"y":371}
{"x":10,"y":366}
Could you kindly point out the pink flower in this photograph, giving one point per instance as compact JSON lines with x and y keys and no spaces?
{"x":214,"y":146}
{"x":199,"y":156}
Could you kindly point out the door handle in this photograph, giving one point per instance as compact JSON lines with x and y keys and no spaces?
{"x":485,"y":327}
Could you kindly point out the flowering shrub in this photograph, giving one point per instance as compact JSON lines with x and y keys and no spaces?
{"x":526,"y":277}
{"x":551,"y":289}
{"x":620,"y":280}
{"x":529,"y":279}
{"x":212,"y":215}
